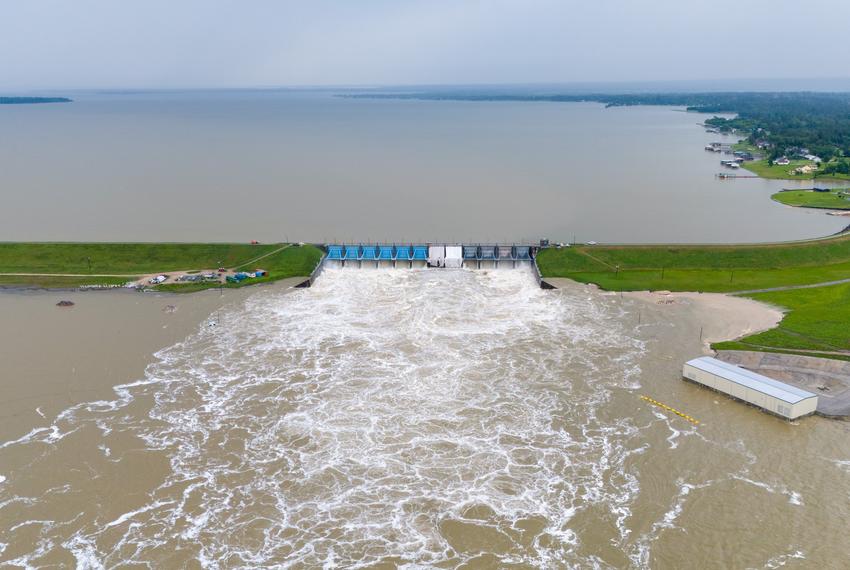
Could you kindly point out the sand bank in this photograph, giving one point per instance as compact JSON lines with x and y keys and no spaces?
{"x":721,"y":317}
{"x":54,"y":357}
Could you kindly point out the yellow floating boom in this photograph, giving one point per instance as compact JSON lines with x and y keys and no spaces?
{"x":669,"y":409}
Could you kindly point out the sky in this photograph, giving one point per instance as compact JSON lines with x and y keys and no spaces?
{"x":55,"y":44}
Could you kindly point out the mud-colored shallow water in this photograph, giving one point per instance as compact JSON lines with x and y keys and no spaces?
{"x":423,"y":418}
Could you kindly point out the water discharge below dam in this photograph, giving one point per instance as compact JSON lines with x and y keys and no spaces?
{"x":425,"y":418}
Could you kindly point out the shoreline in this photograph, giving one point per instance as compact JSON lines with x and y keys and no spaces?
{"x":725,"y":317}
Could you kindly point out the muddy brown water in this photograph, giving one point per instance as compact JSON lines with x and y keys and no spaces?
{"x":391,"y":417}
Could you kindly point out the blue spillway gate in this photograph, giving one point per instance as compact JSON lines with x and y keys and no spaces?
{"x":462,"y":255}
{"x":472,"y":255}
{"x":487,"y":252}
{"x":352,"y":252}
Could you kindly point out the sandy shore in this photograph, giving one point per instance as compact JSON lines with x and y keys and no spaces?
{"x":55,"y":357}
{"x":721,"y":317}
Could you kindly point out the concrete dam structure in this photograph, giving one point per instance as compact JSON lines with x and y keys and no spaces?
{"x":430,"y":255}
{"x":435,"y":255}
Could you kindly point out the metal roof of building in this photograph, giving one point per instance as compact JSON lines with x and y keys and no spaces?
{"x":752,"y":380}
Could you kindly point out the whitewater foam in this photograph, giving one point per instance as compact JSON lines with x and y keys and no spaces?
{"x":381,"y":415}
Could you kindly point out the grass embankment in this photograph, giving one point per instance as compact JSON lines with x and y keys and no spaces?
{"x":818,"y":318}
{"x":835,"y":199}
{"x":75,"y":264}
{"x":294,"y":261}
{"x":817,"y":321}
{"x":715,"y":268}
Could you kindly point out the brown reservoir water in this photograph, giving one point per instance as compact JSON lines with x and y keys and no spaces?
{"x":299,"y":165}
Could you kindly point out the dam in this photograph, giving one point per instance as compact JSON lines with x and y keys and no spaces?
{"x":430,"y":255}
{"x":434,"y":255}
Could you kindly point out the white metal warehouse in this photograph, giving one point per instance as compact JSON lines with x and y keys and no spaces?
{"x":771,"y":395}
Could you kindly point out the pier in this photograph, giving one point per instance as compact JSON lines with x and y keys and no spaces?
{"x":733,"y":175}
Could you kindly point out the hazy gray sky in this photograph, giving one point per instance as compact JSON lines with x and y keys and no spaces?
{"x":230,"y":43}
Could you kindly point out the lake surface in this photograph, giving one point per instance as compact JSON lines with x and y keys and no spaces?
{"x":300,"y":165}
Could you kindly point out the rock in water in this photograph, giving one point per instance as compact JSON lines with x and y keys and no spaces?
{"x":65,"y":304}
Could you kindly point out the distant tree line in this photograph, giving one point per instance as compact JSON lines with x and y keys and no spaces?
{"x":32,"y":100}
{"x":819,"y":122}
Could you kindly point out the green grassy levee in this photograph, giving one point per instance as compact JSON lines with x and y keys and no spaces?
{"x":57,"y":281}
{"x":818,"y":318}
{"x":123,"y":258}
{"x":294,"y":261}
{"x":115,"y":263}
{"x":716,"y":268}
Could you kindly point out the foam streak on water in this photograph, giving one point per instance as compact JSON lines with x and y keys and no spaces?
{"x":409,"y":417}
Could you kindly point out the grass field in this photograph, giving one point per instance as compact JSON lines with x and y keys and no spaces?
{"x":745,"y":146}
{"x":123,"y":258}
{"x":835,"y":199}
{"x":817,"y":320}
{"x":775,"y":171}
{"x":57,"y":281}
{"x":718,"y":268}
{"x":113,"y":263}
{"x":294,"y":261}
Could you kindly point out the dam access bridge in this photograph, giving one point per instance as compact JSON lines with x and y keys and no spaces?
{"x":430,"y":255}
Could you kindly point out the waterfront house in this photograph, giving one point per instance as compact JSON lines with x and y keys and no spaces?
{"x":782,"y":161}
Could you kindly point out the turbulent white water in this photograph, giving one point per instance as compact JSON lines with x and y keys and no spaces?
{"x":400,"y":416}
{"x":423,"y":419}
